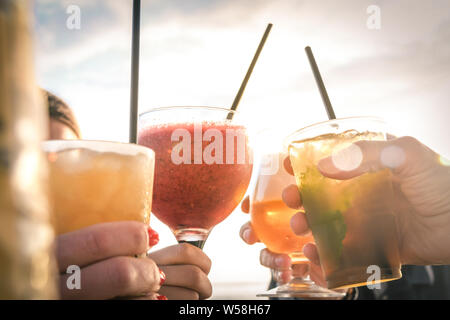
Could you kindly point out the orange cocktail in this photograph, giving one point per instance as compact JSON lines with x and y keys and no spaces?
{"x":270,"y":217}
{"x":94,"y":181}
{"x":271,"y":222}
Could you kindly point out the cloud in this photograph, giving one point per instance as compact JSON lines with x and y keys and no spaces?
{"x":197,"y":52}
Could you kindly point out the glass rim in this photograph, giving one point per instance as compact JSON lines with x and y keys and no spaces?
{"x":143,"y":114}
{"x":290,"y":137}
{"x":125,"y":148}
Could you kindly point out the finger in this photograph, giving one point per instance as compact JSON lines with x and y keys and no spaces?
{"x":274,"y":260}
{"x":101,"y":241}
{"x":316,"y":275}
{"x":245,"y":205}
{"x":115,"y":277}
{"x":182,"y":254}
{"x":299,"y":224}
{"x":291,"y":197}
{"x":247,"y":234}
{"x":179,"y":293}
{"x":189,"y":277}
{"x":400,"y":155}
{"x":310,"y":252}
{"x":288,"y":166}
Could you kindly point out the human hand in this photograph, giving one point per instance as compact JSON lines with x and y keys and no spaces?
{"x":187,"y":268}
{"x":105,"y":254}
{"x":421,"y":184}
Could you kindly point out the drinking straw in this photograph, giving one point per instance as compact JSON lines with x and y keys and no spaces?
{"x":320,"y":84}
{"x":237,"y":99}
{"x":134,"y":70}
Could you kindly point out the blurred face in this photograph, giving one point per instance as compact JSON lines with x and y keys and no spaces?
{"x":59,"y":131}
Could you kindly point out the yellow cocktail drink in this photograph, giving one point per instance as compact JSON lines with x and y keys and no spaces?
{"x":353,"y":225}
{"x":94,"y":182}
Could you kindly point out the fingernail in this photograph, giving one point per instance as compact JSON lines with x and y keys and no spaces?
{"x":279,"y":261}
{"x":291,"y":197}
{"x":162,"y":277}
{"x":288,"y":166}
{"x":153,"y":237}
{"x":298,"y":224}
{"x":161,"y":297}
{"x":246,"y":235}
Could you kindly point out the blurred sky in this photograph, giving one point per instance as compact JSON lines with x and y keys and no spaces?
{"x":196,"y":52}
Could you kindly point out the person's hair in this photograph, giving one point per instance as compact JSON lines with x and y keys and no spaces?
{"x":59,"y":110}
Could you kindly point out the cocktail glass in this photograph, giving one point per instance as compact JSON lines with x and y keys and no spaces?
{"x":203,"y":167}
{"x":96,"y":181}
{"x":270,"y":220}
{"x":351,"y":220}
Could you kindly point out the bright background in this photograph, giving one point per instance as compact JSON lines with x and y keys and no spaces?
{"x":196,"y":52}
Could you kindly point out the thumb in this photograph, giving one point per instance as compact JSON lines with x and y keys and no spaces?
{"x":403,"y":156}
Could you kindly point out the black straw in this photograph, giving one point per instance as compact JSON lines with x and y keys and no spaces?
{"x":320,"y":84}
{"x":135,"y":43}
{"x":238,"y":97}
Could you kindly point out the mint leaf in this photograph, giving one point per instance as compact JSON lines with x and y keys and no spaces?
{"x":324,"y":201}
{"x":329,"y":235}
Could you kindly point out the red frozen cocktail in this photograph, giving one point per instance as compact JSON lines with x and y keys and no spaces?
{"x":202,"y":169}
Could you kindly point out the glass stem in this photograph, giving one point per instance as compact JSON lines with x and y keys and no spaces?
{"x":275,"y":279}
{"x":196,"y":243}
{"x":194,"y":236}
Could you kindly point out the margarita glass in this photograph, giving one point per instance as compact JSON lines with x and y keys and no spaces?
{"x":202,"y":170}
